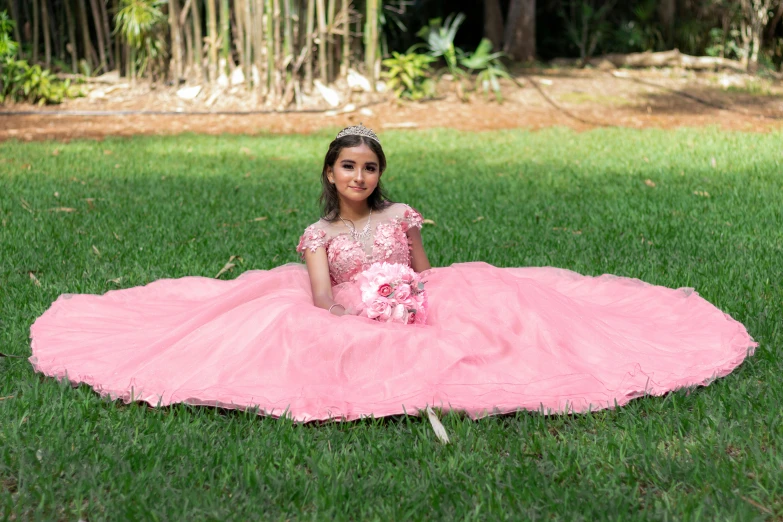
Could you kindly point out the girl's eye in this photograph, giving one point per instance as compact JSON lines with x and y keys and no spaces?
{"x":371,"y":169}
{"x":347,"y":166}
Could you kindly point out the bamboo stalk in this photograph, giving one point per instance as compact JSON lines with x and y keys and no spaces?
{"x":278,"y":49}
{"x":198,"y":40}
{"x":47,"y":37}
{"x":238,"y":33}
{"x":106,"y":30}
{"x":322,"y":50}
{"x":346,"y":53}
{"x":270,"y":51}
{"x":259,"y":46}
{"x":248,"y":30}
{"x":225,"y":35}
{"x":212,"y":38}
{"x":371,"y":40}
{"x":15,"y":17}
{"x":176,"y":41}
{"x":308,"y":87}
{"x":36,"y":29}
{"x":330,"y":27}
{"x":69,"y":20}
{"x":188,"y":31}
{"x":89,"y":51}
{"x":96,"y":17}
{"x":117,"y":40}
{"x":288,"y":49}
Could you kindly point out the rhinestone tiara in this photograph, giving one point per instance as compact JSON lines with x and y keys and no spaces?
{"x":358,"y":130}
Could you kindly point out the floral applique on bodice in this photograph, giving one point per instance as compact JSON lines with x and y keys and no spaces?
{"x":348,"y":257}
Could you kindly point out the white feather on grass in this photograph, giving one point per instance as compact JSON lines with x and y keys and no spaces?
{"x":437,"y":427}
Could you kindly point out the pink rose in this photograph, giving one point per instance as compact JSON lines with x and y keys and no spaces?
{"x":385,"y":290}
{"x":378,"y":309}
{"x":411,"y":317}
{"x":399,"y":314}
{"x":402,"y":293}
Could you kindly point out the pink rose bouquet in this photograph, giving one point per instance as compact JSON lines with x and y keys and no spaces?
{"x":393,"y":293}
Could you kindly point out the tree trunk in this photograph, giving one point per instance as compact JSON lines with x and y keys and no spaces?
{"x":106,"y":31}
{"x":96,"y":16}
{"x":36,"y":29}
{"x":773,"y":25}
{"x":176,"y":41}
{"x":309,"y":44}
{"x":71,"y":35}
{"x":212,"y":38}
{"x":15,"y":17}
{"x":89,"y":51}
{"x":667,"y":11}
{"x":493,"y":23}
{"x":47,"y":36}
{"x":520,"y":33}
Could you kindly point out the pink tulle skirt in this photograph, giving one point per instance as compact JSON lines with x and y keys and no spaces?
{"x":496,"y":340}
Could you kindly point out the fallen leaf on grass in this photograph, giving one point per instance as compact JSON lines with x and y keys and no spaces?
{"x":7,"y":397}
{"x":649,"y":183}
{"x":437,"y":427}
{"x":26,"y":166}
{"x":108,"y":152}
{"x":228,"y":266}
{"x":116,"y":280}
{"x":34,"y":279}
{"x":480,"y":218}
{"x":62,"y":209}
{"x":702,"y":193}
{"x":56,"y":152}
{"x":26,"y":205}
{"x":262,"y":218}
{"x":713,"y":163}
{"x":427,"y":222}
{"x":97,"y":252}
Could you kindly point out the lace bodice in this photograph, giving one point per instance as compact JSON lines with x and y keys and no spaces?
{"x":347,"y":257}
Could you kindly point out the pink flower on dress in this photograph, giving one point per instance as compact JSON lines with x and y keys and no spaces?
{"x":392,"y":292}
{"x":378,"y":308}
{"x":402,"y":293}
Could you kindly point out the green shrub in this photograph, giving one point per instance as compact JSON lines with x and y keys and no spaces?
{"x":20,"y":81}
{"x":408,"y":75}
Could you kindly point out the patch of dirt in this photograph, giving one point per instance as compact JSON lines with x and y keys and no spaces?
{"x":579,"y":99}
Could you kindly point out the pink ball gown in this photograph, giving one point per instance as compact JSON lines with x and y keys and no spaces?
{"x":496,"y":339}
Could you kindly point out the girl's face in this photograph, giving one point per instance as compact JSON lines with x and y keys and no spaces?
{"x":355,"y":174}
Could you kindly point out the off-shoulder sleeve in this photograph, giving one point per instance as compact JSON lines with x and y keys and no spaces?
{"x":411,"y":217}
{"x":312,"y":239}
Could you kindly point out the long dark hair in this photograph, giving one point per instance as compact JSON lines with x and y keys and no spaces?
{"x":330,"y":200}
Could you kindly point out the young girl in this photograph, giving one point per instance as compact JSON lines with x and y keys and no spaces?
{"x":354,"y":208}
{"x":494,"y":340}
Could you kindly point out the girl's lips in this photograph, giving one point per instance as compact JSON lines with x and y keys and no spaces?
{"x":357,"y":188}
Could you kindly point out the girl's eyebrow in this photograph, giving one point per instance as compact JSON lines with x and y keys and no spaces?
{"x":352,"y":161}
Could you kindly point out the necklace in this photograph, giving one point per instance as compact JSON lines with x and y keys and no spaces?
{"x":358,"y":236}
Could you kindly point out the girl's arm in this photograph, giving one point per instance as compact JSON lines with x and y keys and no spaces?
{"x":320,"y":283}
{"x":419,"y":260}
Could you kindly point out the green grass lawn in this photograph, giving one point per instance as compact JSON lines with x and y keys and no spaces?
{"x":94,"y":216}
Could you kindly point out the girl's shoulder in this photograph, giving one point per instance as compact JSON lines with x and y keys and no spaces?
{"x":313,"y":237}
{"x":404,"y":213}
